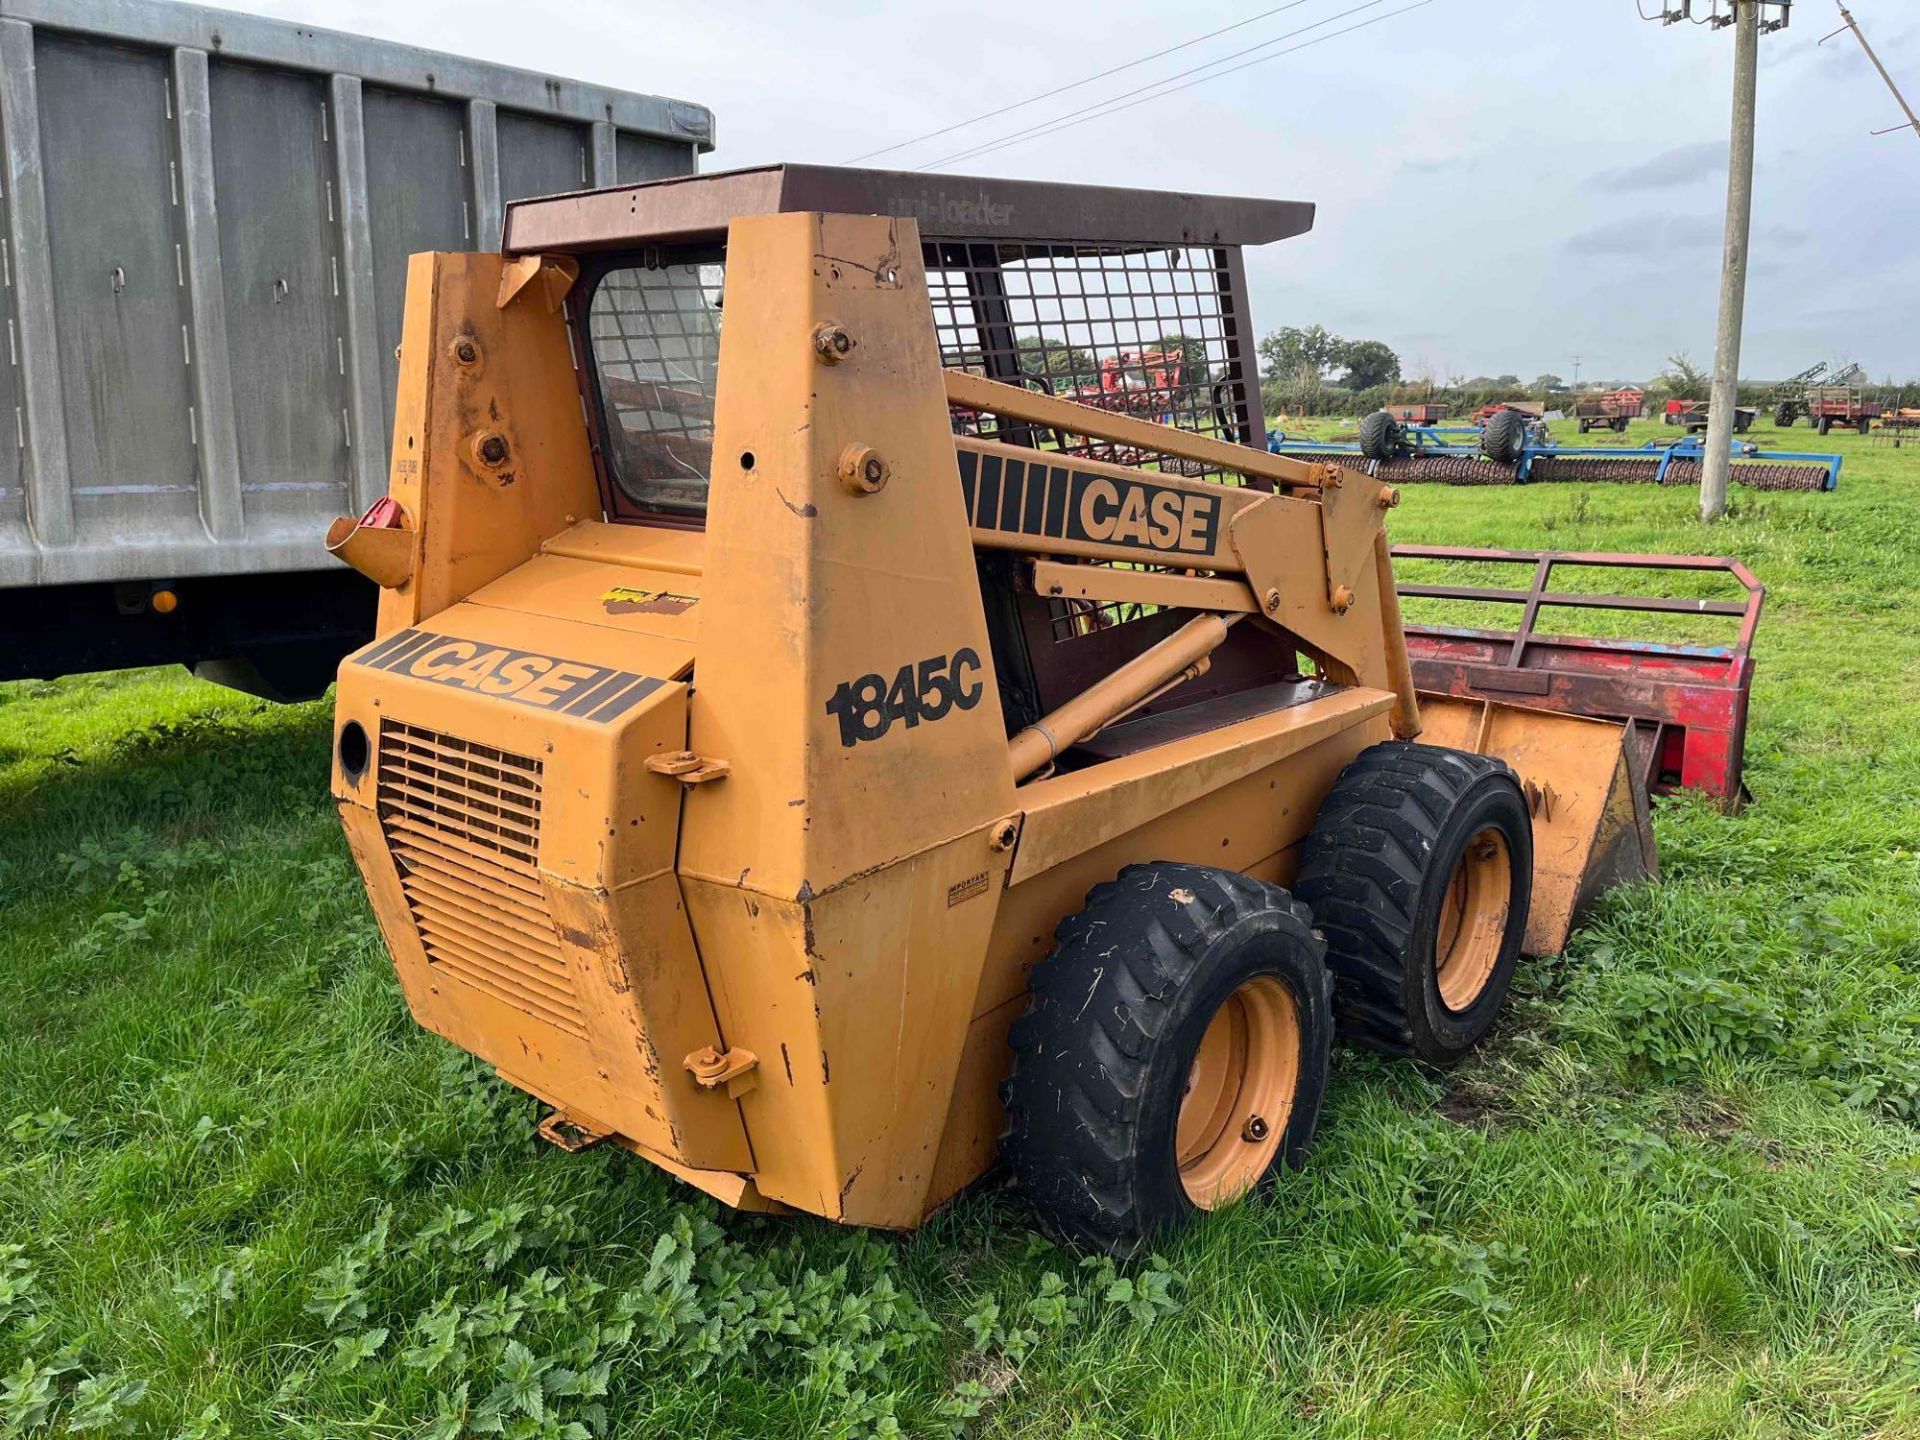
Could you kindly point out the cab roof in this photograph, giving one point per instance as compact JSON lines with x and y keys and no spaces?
{"x":947,"y":207}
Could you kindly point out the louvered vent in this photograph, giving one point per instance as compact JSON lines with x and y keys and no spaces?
{"x":462,"y":821}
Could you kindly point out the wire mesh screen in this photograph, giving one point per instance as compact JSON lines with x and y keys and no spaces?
{"x":655,"y":331}
{"x":1145,"y":333}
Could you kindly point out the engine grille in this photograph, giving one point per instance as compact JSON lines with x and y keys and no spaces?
{"x":462,"y":822}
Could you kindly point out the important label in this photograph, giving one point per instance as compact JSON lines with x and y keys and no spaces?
{"x":966,"y":889}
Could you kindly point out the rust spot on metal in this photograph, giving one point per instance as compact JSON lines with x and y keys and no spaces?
{"x":849,"y":1185}
{"x":805,"y":512}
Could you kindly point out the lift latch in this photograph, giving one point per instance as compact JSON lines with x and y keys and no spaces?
{"x":732,"y":1068}
{"x":687,"y":767}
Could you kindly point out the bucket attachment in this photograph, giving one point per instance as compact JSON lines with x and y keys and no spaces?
{"x":1591,"y":827}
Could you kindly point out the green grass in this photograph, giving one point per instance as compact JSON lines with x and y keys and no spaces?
{"x":1677,"y":1195}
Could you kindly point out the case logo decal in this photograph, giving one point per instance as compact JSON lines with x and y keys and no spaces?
{"x":1057,"y":502}
{"x":566,"y":687}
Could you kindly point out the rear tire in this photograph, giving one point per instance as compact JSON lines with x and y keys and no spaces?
{"x":1504,"y":437}
{"x":1380,"y":436}
{"x":1173,"y":1054}
{"x":1419,"y":870}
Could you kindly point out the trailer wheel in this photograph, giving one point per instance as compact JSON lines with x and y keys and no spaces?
{"x":1173,"y":1053}
{"x":1864,"y":426}
{"x":1419,"y":871}
{"x":1380,"y":436}
{"x":1823,"y":424}
{"x":1620,"y":425}
{"x":1505,"y":436}
{"x":1585,"y":425}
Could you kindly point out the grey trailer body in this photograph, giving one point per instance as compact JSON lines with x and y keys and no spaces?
{"x":206,"y":220}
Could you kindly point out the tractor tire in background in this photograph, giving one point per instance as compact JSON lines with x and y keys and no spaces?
{"x":1380,"y":436}
{"x":1504,"y":436}
{"x":1173,"y":1054}
{"x":1419,"y":870}
{"x":1784,"y":417}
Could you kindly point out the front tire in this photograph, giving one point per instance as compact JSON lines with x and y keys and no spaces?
{"x":1173,"y":1054}
{"x":1419,"y":871}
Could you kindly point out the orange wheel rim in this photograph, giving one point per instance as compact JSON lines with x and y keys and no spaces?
{"x":1239,"y":1094}
{"x":1473,"y":919}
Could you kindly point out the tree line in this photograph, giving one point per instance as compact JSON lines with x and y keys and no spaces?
{"x":1308,"y":370}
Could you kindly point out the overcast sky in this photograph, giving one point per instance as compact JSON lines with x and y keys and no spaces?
{"x":1502,"y":185}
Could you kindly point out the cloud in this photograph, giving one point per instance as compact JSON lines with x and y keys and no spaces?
{"x":1436,"y":165}
{"x":1651,"y":236}
{"x":1680,"y":166}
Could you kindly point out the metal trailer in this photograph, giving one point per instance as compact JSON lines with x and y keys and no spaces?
{"x":1693,"y":416}
{"x":1607,"y":412}
{"x":1826,"y":406}
{"x":207,"y":218}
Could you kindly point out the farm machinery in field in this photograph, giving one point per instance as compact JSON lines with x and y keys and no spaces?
{"x":1509,"y":450}
{"x":1386,"y":436}
{"x":1826,"y":397}
{"x":1694,"y":416}
{"x":1610,"y":411}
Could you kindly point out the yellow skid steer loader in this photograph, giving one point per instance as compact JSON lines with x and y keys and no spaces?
{"x":853,"y":702}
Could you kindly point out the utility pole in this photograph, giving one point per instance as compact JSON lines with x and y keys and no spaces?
{"x":1733,"y":266}
{"x":1913,"y":121}
{"x":1749,"y":21}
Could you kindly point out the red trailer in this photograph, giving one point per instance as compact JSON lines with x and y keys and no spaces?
{"x":1692,"y":415}
{"x":1826,"y":406}
{"x":1418,"y":414}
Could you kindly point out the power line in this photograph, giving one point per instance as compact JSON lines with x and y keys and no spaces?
{"x":1075,"y":85}
{"x":1124,"y":101}
{"x":1913,"y":120}
{"x":1048,"y":126}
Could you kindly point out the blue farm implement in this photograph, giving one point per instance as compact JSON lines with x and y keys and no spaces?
{"x":1445,"y":456}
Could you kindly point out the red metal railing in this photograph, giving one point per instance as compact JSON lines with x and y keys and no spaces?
{"x":1687,"y":703}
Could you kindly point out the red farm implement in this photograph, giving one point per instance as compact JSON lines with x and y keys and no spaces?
{"x":1687,"y":703}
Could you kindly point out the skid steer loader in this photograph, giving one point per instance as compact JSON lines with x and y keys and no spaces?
{"x":804,"y":748}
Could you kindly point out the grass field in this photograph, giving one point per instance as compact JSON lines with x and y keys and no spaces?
{"x":1678,"y":1194}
